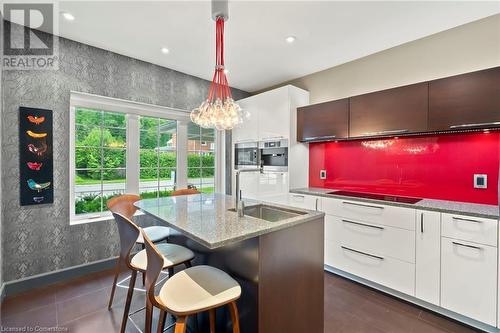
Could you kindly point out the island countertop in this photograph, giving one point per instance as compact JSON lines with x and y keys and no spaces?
{"x":206,"y":219}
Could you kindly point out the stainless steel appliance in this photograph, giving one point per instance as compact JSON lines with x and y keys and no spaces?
{"x":246,"y":155}
{"x":274,"y":155}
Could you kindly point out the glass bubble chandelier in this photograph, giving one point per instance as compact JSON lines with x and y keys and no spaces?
{"x":219,"y":110}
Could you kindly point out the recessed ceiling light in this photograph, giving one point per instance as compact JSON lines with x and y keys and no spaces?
{"x":290,"y":39}
{"x":164,"y":50}
{"x":68,"y":16}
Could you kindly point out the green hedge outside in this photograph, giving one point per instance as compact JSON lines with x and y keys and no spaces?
{"x":90,"y":158}
{"x":92,"y":203}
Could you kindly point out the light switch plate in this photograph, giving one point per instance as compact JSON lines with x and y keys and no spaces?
{"x":322,"y":174}
{"x":480,"y":181}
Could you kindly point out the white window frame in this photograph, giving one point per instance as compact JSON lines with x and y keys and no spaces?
{"x":134,"y":110}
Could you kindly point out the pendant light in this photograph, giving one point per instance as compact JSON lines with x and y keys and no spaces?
{"x":219,"y":110}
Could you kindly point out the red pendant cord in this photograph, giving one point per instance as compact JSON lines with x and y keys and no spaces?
{"x":219,"y":88}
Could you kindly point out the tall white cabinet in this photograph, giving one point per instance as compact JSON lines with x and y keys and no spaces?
{"x":469,"y":267}
{"x":272,"y":115}
{"x":427,"y":259}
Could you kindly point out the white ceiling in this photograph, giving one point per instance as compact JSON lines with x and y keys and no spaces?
{"x":257,"y":56}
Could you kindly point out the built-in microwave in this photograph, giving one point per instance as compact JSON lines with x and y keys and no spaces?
{"x":274,"y":155}
{"x":246,"y":155}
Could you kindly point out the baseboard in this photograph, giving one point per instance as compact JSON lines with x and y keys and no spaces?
{"x":434,"y":308}
{"x":36,"y":281}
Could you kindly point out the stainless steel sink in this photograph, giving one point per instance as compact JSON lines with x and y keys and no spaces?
{"x":269,"y":213}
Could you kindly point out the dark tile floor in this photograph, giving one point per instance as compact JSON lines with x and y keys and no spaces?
{"x":80,"y":305}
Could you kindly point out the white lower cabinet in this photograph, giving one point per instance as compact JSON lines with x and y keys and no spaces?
{"x":304,"y":201}
{"x":427,"y":256}
{"x":469,"y":279}
{"x":375,"y":238}
{"x":296,"y":200}
{"x":392,"y":273}
{"x":399,"y":217}
{"x":376,"y":252}
{"x":447,"y":260}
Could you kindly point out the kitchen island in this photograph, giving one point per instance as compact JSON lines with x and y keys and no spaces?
{"x":275,"y":253}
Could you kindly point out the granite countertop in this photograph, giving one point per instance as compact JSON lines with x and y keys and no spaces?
{"x":205,"y":218}
{"x":453,"y":207}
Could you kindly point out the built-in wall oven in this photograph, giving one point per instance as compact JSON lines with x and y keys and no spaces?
{"x":274,"y":155}
{"x":246,"y":155}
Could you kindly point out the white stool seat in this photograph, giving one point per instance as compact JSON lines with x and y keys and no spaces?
{"x":172,"y":255}
{"x":154,"y":233}
{"x":197,"y":289}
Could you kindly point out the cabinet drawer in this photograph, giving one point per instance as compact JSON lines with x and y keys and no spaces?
{"x":389,"y":272}
{"x":372,"y":238}
{"x":398,"y":217}
{"x":468,"y":279}
{"x":473,"y":229}
{"x":304,"y":201}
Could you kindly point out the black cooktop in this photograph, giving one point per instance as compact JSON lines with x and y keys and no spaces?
{"x":382,"y":197}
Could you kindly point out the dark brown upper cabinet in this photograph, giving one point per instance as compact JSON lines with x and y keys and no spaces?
{"x":390,"y":112}
{"x":324,"y":121}
{"x":465,"y":101}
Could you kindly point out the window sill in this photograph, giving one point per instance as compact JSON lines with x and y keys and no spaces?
{"x":95,"y":218}
{"x":90,"y":219}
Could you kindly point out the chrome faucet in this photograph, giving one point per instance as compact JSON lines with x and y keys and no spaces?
{"x":239,"y":204}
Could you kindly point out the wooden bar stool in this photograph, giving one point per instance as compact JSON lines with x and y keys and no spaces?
{"x":189,"y":292}
{"x":124,"y":205}
{"x":171,"y":255}
{"x":184,"y":191}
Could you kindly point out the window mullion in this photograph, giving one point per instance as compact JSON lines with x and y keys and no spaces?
{"x":182,"y":153}
{"x":133,"y":154}
{"x":158,"y":157}
{"x":102,"y":161}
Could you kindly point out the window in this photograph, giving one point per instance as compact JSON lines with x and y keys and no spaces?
{"x":120,"y":147}
{"x":158,"y":159}
{"x":100,"y":158}
{"x":201,"y":158}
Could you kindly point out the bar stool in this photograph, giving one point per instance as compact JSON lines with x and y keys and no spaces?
{"x":124,"y":205}
{"x":171,"y":255}
{"x":189,"y":292}
{"x":184,"y":191}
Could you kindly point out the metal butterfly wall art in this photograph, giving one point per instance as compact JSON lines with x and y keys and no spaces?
{"x":36,"y":135}
{"x":36,"y":120}
{"x":37,"y":186}
{"x":38,"y":150}
{"x":34,"y":165}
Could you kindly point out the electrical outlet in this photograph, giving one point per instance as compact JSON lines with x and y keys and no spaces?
{"x":322,"y":174}
{"x":480,"y":181}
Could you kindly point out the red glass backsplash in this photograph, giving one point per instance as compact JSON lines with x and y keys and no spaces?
{"x":434,"y":167}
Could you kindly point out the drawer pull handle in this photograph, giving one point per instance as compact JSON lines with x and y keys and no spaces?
{"x":319,"y":138}
{"x":467,"y":220}
{"x":362,"y":205}
{"x":493,"y":123}
{"x":298,"y":196}
{"x":398,"y":131}
{"x":422,"y":222}
{"x":467,"y":245}
{"x":361,"y":252}
{"x":364,"y":225}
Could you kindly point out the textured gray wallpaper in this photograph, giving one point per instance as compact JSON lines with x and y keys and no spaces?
{"x":39,"y":239}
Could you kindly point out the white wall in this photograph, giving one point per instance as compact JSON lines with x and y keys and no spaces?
{"x":467,"y":48}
